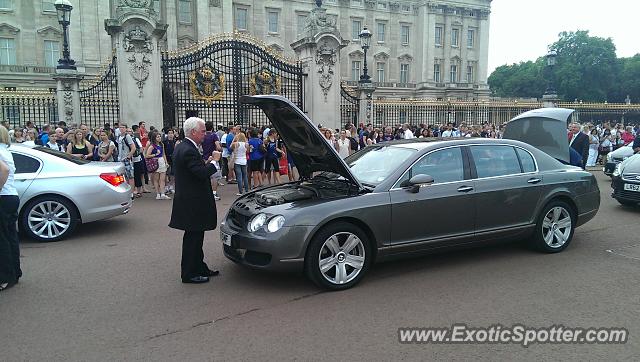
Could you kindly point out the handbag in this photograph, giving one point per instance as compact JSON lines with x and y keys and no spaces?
{"x":152,"y":164}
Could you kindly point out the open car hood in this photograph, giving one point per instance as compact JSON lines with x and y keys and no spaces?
{"x":305,"y":144}
{"x":544,"y":129}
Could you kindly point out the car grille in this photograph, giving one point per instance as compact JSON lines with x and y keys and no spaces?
{"x":633,"y":177}
{"x":627,"y":195}
{"x":239,"y":221}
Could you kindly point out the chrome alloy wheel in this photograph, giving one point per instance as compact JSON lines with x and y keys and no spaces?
{"x":341,"y":258}
{"x":556,"y":227}
{"x":49,"y":219}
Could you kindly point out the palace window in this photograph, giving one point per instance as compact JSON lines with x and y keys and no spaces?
{"x":51,"y":53}
{"x":471,"y":34}
{"x":302,"y":20}
{"x":381,"y":32}
{"x":356,"y":27}
{"x":355,"y":69}
{"x":455,"y":37}
{"x":469,"y":73}
{"x":6,"y":5}
{"x":380,"y":71}
{"x":184,"y":11}
{"x":404,"y":34}
{"x":7,"y":51}
{"x":241,"y":18}
{"x":358,"y":3}
{"x":439,"y":35}
{"x":47,"y":6}
{"x":453,"y":74}
{"x":272,"y":20}
{"x":382,"y":6}
{"x":404,"y":73}
{"x":436,"y":73}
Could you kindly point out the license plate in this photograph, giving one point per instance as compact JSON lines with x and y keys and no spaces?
{"x":226,"y":238}
{"x":632,"y":187}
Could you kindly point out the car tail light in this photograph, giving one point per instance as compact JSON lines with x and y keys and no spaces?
{"x":113,"y":178}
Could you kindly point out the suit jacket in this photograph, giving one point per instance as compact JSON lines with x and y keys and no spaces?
{"x":194,"y":207}
{"x":581,"y":145}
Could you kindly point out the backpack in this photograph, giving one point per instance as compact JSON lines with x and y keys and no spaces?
{"x":136,"y":153}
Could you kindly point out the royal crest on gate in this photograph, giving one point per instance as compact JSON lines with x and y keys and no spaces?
{"x":264,"y":82}
{"x":207,"y":84}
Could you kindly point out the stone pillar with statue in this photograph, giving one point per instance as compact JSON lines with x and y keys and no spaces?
{"x":319,"y":52}
{"x":135,"y":30}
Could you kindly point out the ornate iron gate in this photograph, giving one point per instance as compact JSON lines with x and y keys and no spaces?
{"x":99,"y":102}
{"x":349,"y":106}
{"x":207,"y":80}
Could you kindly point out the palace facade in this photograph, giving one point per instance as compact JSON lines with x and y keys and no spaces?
{"x":419,"y":49}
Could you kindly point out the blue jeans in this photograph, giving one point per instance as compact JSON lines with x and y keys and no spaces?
{"x":242,"y":177}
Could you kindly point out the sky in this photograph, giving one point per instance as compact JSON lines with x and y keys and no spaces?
{"x":521,"y":30}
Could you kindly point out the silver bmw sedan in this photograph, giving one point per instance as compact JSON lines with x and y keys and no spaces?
{"x":58,"y":191}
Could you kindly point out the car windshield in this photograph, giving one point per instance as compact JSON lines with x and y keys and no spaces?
{"x":373,"y":165}
{"x":65,"y":156}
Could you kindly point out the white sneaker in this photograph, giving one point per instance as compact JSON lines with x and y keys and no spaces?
{"x":158,"y":197}
{"x":238,"y":194}
{"x":164,"y":197}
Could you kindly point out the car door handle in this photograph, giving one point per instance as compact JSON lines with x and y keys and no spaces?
{"x":534,"y":180}
{"x":465,"y":188}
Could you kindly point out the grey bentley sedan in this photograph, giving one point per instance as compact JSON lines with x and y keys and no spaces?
{"x":398,"y":199}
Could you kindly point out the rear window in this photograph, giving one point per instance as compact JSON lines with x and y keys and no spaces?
{"x":65,"y":156}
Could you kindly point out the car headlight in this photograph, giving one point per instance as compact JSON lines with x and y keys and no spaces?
{"x":616,"y":172}
{"x":256,"y":222}
{"x":275,"y":223}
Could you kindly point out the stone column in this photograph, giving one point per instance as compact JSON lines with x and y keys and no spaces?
{"x":68,"y":95}
{"x":319,"y":51}
{"x":135,"y":32}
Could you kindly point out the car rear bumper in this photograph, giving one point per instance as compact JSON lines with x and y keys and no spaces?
{"x":119,"y":203}
{"x":619,"y":193}
{"x":280,"y":251}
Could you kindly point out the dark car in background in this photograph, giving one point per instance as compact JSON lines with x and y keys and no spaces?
{"x":400,"y":198}
{"x":615,"y":157}
{"x":625,"y":181}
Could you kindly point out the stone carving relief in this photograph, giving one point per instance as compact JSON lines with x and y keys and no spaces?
{"x":371,"y":4}
{"x":326,"y":58}
{"x":137,"y":3}
{"x":67,"y":96}
{"x":394,"y":6}
{"x":138,"y":43}
{"x":318,"y":21}
{"x":214,"y":3}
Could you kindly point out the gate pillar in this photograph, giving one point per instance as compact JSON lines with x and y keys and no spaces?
{"x":68,"y":95}
{"x":135,"y":30}
{"x":319,"y":52}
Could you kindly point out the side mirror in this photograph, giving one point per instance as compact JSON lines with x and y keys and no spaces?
{"x":418,"y":181}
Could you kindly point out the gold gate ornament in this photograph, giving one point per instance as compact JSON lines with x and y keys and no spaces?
{"x":207,"y":84}
{"x":264,"y":82}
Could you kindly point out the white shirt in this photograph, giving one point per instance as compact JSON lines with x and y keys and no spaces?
{"x":8,"y":189}
{"x":240,"y":153}
{"x":343,"y":147}
{"x":54,"y":146}
{"x":223,"y":143}
{"x":447,"y":133}
{"x":408,"y":134}
{"x":265,"y":134}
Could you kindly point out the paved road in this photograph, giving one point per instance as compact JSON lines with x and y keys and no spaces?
{"x":112,"y":292}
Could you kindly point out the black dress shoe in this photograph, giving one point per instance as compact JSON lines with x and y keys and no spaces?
{"x":196,"y":280}
{"x":211,"y":273}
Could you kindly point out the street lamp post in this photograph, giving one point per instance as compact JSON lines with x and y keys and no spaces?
{"x":365,"y":41}
{"x":551,"y":63}
{"x":63,"y":8}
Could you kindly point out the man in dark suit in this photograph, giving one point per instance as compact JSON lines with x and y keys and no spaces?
{"x":194,"y":208}
{"x":579,"y":142}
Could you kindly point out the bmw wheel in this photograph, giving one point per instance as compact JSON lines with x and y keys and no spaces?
{"x":555,"y":227}
{"x":49,"y":218}
{"x":338,"y":256}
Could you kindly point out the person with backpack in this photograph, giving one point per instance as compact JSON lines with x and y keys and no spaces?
{"x":127,"y":150}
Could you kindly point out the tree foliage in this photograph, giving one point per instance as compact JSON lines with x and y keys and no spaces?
{"x":587,"y":69}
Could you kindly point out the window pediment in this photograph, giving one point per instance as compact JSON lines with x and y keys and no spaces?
{"x":49,"y":31}
{"x":8,"y":29}
{"x":405,"y":58}
{"x":381,"y":56}
{"x":356,"y":54}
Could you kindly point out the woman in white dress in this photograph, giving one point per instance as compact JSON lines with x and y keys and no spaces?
{"x":594,"y":142}
{"x":344,"y":145}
